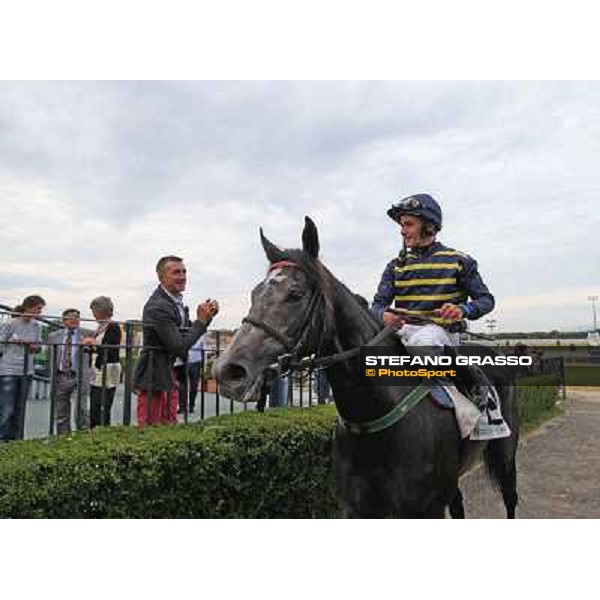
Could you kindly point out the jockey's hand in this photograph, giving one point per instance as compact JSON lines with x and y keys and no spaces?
{"x":449,"y":312}
{"x":391,"y":319}
{"x":207,"y":310}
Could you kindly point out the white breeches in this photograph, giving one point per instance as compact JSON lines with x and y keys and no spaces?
{"x":427,"y":335}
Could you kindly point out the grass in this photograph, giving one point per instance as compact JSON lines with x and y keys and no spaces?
{"x":582,"y":376}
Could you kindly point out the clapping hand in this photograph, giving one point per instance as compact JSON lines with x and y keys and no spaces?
{"x":207,"y":310}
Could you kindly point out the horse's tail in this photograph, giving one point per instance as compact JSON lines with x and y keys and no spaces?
{"x":500,"y":455}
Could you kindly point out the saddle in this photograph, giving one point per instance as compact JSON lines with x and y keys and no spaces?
{"x":473,"y":423}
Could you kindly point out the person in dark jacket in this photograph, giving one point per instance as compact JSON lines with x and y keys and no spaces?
{"x":432,"y":288}
{"x":107,"y":367}
{"x":168,"y":334}
{"x":428,"y":280}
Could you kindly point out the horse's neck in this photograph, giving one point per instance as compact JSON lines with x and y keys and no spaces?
{"x":355,"y":328}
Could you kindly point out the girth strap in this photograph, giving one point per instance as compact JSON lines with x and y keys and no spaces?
{"x":400,"y":410}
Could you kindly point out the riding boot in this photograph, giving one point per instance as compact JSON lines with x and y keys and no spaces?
{"x":481,"y":390}
{"x":472,"y":382}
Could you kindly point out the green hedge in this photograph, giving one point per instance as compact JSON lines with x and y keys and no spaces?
{"x":276,"y":464}
{"x":583,"y":375}
{"x":245,"y":465}
{"x":537,"y":398}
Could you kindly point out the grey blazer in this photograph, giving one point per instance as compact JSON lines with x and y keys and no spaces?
{"x":162,"y":323}
{"x":56,"y":337}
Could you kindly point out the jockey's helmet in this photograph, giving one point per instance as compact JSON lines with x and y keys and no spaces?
{"x":418,"y":205}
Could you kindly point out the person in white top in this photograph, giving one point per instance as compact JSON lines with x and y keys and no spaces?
{"x":19,"y":341}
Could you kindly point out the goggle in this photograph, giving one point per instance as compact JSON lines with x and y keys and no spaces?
{"x":410,"y":203}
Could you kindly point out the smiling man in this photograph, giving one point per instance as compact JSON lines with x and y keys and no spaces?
{"x":428,"y":280}
{"x":168,"y":336}
{"x":432,"y":288}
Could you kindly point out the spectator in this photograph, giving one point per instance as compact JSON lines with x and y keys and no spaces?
{"x":188,"y":387}
{"x":106,"y":366}
{"x":321,"y":387}
{"x":19,"y":341}
{"x":279,"y":392}
{"x":261,"y":403}
{"x":168,"y":334}
{"x":72,"y":372}
{"x":276,"y":389}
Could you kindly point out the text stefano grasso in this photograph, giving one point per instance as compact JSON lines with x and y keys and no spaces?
{"x":447,"y":361}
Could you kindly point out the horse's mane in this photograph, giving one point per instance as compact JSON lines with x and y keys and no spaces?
{"x":333,"y":289}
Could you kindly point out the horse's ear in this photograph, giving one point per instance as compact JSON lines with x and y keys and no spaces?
{"x":274,"y":254}
{"x":310,"y":238}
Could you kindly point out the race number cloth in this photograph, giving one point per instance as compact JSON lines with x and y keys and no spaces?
{"x":472,"y":424}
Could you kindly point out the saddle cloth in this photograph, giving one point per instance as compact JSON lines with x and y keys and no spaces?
{"x":472,"y":423}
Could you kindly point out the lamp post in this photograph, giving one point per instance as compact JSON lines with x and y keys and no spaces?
{"x":593,"y":300}
{"x":491,"y":325}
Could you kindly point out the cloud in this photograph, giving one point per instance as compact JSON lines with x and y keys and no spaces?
{"x":98,"y":180}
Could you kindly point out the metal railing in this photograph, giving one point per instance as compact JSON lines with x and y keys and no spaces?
{"x":547,"y":366}
{"x":34,"y":412}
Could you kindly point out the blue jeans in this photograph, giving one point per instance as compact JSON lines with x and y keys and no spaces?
{"x":11,"y":388}
{"x":279,"y":392}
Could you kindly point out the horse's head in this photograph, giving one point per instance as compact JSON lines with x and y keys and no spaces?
{"x":288,"y":315}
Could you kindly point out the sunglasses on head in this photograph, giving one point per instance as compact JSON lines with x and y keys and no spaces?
{"x":408,"y":203}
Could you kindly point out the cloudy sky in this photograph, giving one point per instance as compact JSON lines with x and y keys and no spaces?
{"x":98,"y":180}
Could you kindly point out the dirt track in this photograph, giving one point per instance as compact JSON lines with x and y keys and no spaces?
{"x":559,"y":468}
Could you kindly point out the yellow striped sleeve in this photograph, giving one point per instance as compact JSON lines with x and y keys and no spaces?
{"x":414,"y":282}
{"x":447,"y":253}
{"x":420,"y":266}
{"x":418,"y":298}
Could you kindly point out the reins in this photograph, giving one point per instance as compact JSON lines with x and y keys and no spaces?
{"x":289,"y":361}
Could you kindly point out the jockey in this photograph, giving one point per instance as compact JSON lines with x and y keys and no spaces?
{"x":430,"y":281}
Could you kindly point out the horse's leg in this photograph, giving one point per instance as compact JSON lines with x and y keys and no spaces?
{"x":501,"y":464}
{"x":500,"y":454}
{"x":509,"y":494}
{"x":456,"y":506}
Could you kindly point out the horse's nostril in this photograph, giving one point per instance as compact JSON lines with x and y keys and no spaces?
{"x":233,"y":372}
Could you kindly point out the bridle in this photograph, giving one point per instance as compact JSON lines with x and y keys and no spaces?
{"x":290,"y":361}
{"x":294,"y":342}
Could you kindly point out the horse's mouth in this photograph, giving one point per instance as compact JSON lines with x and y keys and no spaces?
{"x":253,"y":390}
{"x":240,"y":381}
{"x":250,"y":390}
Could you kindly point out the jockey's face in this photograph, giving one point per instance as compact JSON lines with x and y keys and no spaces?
{"x":412,"y":231}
